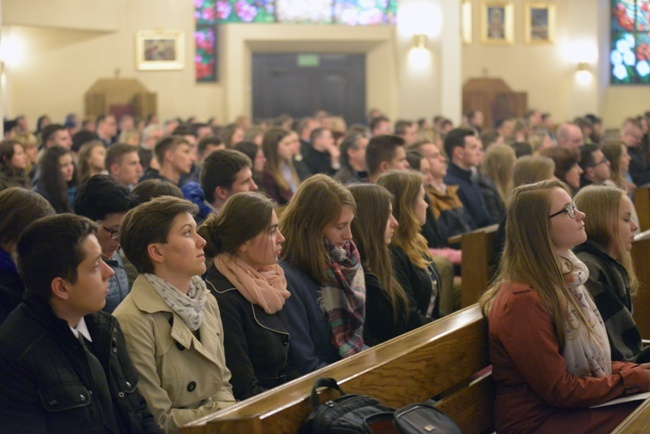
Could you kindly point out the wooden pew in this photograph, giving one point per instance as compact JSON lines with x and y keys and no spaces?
{"x":638,"y":422}
{"x":436,"y":359}
{"x":475,"y":269}
{"x":641,"y":303}
{"x":642,"y":205}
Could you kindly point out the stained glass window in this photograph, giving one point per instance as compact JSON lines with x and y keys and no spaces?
{"x":208,"y":14}
{"x":630,"y":42}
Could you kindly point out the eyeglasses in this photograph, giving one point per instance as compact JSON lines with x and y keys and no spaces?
{"x":603,"y":161}
{"x":115,"y":233}
{"x":569,"y":209}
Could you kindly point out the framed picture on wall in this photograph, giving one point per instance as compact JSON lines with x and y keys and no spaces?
{"x":159,"y":50}
{"x":497,"y":23}
{"x":466,"y":22}
{"x":539,"y":23}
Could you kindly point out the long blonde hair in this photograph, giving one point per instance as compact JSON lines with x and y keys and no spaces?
{"x":317,"y":203}
{"x":368,"y":228}
{"x":528,"y":255}
{"x":498,"y":165}
{"x":405,"y":186}
{"x":602,"y":204}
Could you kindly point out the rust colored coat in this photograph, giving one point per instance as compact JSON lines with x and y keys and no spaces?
{"x":535,"y":393}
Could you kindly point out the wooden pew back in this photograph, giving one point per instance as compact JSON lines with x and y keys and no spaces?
{"x":435,"y":359}
{"x":475,"y":270}
{"x":642,"y":205}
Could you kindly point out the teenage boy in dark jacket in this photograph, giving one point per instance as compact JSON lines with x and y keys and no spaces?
{"x":64,"y":362}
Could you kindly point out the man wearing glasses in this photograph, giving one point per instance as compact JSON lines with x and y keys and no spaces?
{"x":595,"y":167}
{"x":105,"y":201}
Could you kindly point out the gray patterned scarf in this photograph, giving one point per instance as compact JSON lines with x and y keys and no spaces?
{"x":189,"y":307}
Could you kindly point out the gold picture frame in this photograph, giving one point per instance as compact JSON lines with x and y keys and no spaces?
{"x":466,"y":22}
{"x":497,"y":23}
{"x":158,"y":50}
{"x":539,"y":23}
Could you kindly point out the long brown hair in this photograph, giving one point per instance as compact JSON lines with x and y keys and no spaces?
{"x":368,"y":228}
{"x":613,"y":151}
{"x":317,"y":202}
{"x":405,"y":186}
{"x":528,"y":255}
{"x":270,"y":143}
{"x":498,"y":165}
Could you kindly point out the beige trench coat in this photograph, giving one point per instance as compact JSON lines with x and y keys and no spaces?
{"x":181,"y":377}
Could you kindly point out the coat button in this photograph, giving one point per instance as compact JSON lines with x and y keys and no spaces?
{"x":128,"y":384}
{"x":285,"y":340}
{"x":115,"y":349}
{"x":191,"y":386}
{"x":83,"y":398}
{"x":121,"y":394}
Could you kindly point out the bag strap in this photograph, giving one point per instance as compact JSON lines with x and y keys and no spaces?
{"x":330,"y":383}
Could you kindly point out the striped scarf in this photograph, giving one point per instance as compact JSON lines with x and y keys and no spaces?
{"x":343,"y":298}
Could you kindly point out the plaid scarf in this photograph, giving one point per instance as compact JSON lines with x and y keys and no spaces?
{"x":343,"y":298}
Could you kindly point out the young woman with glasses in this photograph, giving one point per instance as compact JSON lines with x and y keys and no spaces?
{"x":548,"y":344}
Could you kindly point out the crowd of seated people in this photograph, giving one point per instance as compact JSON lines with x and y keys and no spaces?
{"x":257,"y":253}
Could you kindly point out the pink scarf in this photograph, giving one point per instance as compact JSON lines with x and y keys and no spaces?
{"x":266,"y":287}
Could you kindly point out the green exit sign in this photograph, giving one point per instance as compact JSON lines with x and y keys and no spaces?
{"x":308,"y":60}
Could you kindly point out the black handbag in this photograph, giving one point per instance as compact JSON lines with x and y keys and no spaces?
{"x":423,"y":418}
{"x":362,"y":414}
{"x":347,"y":414}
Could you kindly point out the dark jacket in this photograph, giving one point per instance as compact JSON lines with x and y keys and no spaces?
{"x":493,"y":203}
{"x":380,"y":323}
{"x":470,"y":195}
{"x":256,"y":343}
{"x":11,"y":286}
{"x":311,"y":340}
{"x":419,"y":284}
{"x":347,"y":175}
{"x":639,"y":170}
{"x":609,"y":285}
{"x":47,"y":385}
{"x":448,"y":211}
{"x":318,"y":161}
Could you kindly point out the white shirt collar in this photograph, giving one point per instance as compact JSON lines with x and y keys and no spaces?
{"x":83,"y":329}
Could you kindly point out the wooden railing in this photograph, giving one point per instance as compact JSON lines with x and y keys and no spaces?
{"x":438,"y":359}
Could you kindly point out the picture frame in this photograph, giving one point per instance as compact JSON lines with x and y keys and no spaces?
{"x":159,"y":50}
{"x":466,"y":22}
{"x":497,"y":23}
{"x":539,"y":23}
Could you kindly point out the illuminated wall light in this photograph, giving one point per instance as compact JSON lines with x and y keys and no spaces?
{"x":420,"y":41}
{"x":583,"y":74}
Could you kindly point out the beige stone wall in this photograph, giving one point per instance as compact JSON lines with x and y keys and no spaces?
{"x":63,"y":46}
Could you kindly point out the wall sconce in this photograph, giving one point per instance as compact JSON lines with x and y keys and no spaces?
{"x":583,"y":73}
{"x":420,"y":41}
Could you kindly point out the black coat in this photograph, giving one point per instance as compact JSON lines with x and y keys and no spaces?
{"x":46,"y":381}
{"x":418,"y":283}
{"x":380,"y":323}
{"x":256,"y":343}
{"x":11,"y":290}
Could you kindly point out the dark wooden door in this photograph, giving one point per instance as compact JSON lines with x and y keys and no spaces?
{"x":301,"y":84}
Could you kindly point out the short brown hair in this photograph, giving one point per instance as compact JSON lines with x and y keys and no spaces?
{"x":149,"y":223}
{"x":116,"y":152}
{"x":18,"y":208}
{"x":168,"y":143}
